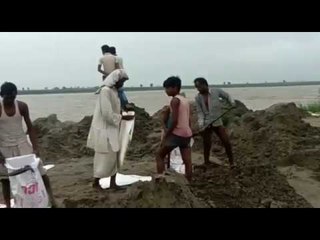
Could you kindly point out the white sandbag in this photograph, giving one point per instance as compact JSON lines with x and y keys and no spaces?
{"x":176,"y":162}
{"x":126,"y":133}
{"x":48,"y":167}
{"x":314,"y":114}
{"x":123,"y":180}
{"x":27,"y":188}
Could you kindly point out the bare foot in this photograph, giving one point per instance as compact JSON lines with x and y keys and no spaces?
{"x":158,"y":178}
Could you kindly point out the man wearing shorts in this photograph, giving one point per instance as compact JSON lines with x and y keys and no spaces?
{"x":179,"y":133}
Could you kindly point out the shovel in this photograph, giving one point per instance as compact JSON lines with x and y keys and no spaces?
{"x":201,"y":130}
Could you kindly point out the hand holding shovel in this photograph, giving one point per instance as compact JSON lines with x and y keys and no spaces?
{"x":205,"y":127}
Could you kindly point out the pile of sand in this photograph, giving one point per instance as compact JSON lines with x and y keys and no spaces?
{"x":62,"y":139}
{"x":68,"y":139}
{"x":275,"y":135}
{"x":261,"y":140}
{"x":250,"y":186}
{"x":175,"y":194}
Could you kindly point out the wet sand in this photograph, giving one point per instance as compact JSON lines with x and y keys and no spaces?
{"x":306,"y":182}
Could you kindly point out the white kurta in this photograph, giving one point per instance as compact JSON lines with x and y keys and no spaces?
{"x":103,"y":137}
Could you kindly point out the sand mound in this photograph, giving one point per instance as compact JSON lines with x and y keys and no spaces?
{"x":62,"y":139}
{"x":250,"y":186}
{"x":261,"y":140}
{"x":140,"y":195}
{"x":68,"y":139}
{"x":274,"y":134}
{"x":72,"y":186}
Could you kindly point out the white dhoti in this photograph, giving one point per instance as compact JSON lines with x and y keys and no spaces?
{"x":105,"y":164}
{"x":104,"y":132}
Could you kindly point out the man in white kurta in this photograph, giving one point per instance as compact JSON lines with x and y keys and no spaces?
{"x":103,"y":137}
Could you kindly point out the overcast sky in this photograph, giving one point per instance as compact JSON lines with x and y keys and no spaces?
{"x":39,"y":60}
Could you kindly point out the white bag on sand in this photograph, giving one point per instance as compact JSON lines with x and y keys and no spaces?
{"x":176,"y":162}
{"x":27,"y":187}
{"x":126,"y":134}
{"x":123,"y":180}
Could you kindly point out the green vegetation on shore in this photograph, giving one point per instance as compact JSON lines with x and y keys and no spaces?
{"x":311,"y":107}
{"x":154,"y":88}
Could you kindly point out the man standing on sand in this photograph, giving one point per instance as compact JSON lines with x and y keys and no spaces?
{"x":179,"y":133}
{"x":104,"y":132}
{"x":13,"y":140}
{"x":166,"y":124}
{"x":209,"y":108}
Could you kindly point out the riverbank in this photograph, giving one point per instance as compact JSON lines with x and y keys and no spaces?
{"x":65,"y":90}
{"x":265,"y":142}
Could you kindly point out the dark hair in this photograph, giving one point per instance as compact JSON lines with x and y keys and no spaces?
{"x":201,"y":81}
{"x":105,"y":48}
{"x":172,"y":82}
{"x":8,"y":88}
{"x":113,"y":50}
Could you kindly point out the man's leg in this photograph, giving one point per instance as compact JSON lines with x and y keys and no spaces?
{"x":113,"y":184}
{"x":168,"y":160}
{"x":47,"y":184}
{"x":98,"y":169}
{"x":6,"y":192}
{"x":224,"y":138}
{"x":96,"y":182}
{"x":186,"y":157}
{"x":163,"y":152}
{"x":207,"y":143}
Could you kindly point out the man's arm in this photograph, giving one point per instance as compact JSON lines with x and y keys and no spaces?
{"x":226,"y":96}
{"x":175,"y":102}
{"x":30,"y":129}
{"x":101,"y":71}
{"x":165,"y":116}
{"x":200,"y":113}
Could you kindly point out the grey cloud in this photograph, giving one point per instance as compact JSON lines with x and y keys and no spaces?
{"x":39,"y":60}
